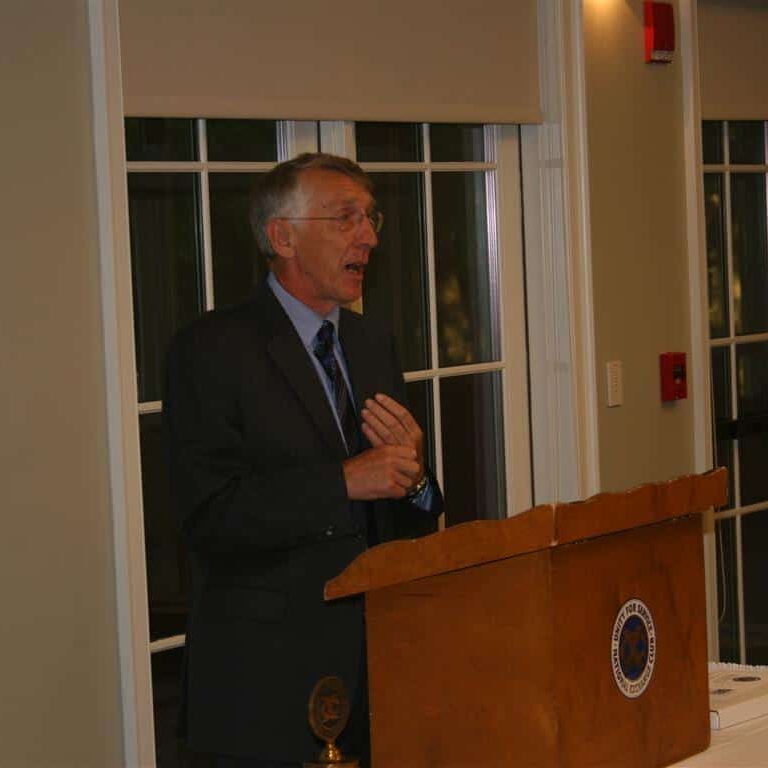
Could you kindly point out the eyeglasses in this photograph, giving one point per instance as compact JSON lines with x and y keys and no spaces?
{"x":346,"y":221}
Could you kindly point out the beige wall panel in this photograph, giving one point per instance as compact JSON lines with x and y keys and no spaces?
{"x":733,"y":59}
{"x":432,"y":60}
{"x":637,"y":203}
{"x":58,"y":639}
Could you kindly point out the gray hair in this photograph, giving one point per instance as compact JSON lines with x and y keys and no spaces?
{"x":279,"y":193}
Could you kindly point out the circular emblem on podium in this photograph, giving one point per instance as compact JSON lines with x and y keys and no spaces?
{"x":633,"y":648}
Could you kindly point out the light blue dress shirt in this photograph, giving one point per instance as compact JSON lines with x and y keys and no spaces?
{"x":307,"y":323}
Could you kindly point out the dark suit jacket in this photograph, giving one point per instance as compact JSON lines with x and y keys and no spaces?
{"x":257,"y":478}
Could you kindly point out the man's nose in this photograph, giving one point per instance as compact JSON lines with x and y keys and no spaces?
{"x":367,"y":233}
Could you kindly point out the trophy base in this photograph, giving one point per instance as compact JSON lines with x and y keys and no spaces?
{"x":342,"y":764}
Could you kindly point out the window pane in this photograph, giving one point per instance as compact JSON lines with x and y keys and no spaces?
{"x":388,"y":142}
{"x":752,"y":372}
{"x":746,"y":142}
{"x":727,"y":596}
{"x":754,"y":545}
{"x":723,"y":414}
{"x":236,"y":263}
{"x":466,"y":285}
{"x":473,"y":447}
{"x":420,"y":401}
{"x":717,"y":267}
{"x":170,"y":751}
{"x":167,"y":271}
{"x":721,"y":383}
{"x":166,"y":560}
{"x":396,"y":278}
{"x":159,"y":138}
{"x":750,"y":252}
{"x":453,"y":142}
{"x":752,"y":391}
{"x":242,"y":140}
{"x":712,"y":141}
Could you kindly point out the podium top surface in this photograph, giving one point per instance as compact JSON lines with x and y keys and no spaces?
{"x":543,"y":527}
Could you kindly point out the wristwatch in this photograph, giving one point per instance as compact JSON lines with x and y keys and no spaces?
{"x":418,"y":488}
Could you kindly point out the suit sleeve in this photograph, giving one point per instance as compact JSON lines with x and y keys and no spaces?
{"x":225,"y":503}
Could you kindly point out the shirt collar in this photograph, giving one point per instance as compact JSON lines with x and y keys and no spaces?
{"x":305,"y":320}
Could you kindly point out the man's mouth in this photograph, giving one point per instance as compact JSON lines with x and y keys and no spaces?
{"x":357,"y":268}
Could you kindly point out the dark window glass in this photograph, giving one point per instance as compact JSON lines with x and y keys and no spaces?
{"x":717,"y":268}
{"x":727,"y":595}
{"x":750,"y":252}
{"x":170,"y":751}
{"x":466,"y":295}
{"x":712,"y":141}
{"x":242,"y":140}
{"x":236,"y":264}
{"x":721,"y":383}
{"x":473,"y":447}
{"x":388,"y":142}
{"x":752,"y":392}
{"x":723,"y":413}
{"x":753,"y":460}
{"x":752,"y":377}
{"x":746,"y":142}
{"x":451,"y":142}
{"x":166,"y":559}
{"x":167,"y":267}
{"x":160,"y":139}
{"x":420,"y":401}
{"x":396,"y":277}
{"x":754,"y":545}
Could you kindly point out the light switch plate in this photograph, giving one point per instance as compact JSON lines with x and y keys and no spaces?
{"x":615,"y":383}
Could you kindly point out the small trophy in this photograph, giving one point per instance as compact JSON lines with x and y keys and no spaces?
{"x":328,"y":716}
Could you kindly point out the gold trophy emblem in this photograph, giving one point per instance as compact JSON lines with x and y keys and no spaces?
{"x":328,"y":716}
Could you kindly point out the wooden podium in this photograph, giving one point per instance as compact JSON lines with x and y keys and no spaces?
{"x":570,"y":636}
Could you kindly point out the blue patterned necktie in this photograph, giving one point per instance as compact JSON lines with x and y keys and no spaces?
{"x":322,"y":346}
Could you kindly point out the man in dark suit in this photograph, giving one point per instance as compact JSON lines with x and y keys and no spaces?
{"x":291,"y":452}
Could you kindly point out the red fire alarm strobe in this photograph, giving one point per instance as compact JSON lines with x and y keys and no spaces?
{"x":673,"y":376}
{"x":659,"y":32}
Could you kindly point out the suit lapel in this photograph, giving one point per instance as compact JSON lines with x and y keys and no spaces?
{"x":289,"y":355}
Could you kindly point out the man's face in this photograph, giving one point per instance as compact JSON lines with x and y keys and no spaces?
{"x":325,"y":266}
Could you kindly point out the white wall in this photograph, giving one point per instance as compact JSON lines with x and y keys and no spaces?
{"x":59,"y":680}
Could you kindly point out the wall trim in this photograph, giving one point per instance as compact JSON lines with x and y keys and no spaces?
{"x":558,"y":269}
{"x":122,"y":420}
{"x":698,"y":369}
{"x":580,"y":237}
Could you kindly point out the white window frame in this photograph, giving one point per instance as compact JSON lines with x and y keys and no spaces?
{"x":736,"y":510}
{"x":506,"y":273}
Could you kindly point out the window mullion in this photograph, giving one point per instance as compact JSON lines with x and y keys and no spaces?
{"x":205,"y":212}
{"x":432,"y":294}
{"x":740,"y":593}
{"x":167,"y":643}
{"x":511,"y":308}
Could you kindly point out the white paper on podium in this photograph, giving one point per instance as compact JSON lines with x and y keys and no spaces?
{"x":737,"y":693}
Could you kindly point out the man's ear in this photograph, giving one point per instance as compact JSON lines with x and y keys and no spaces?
{"x":280,"y":234}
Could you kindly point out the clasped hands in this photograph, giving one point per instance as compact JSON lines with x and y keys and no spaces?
{"x":395,"y":462}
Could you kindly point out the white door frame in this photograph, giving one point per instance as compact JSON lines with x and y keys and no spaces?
{"x":120,"y":367}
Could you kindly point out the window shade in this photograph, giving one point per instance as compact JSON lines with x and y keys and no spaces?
{"x":733,"y":59}
{"x":400,"y":60}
